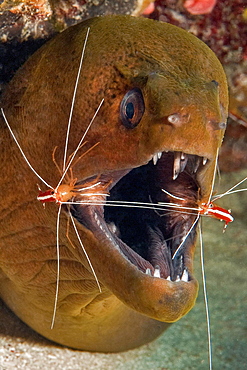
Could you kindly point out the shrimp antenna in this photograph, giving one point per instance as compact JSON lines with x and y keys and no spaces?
{"x":79,"y":145}
{"x":84,"y":250}
{"x":58,"y":268}
{"x":73,"y":99}
{"x":171,"y":195}
{"x":205,"y":299}
{"x":231,"y":190}
{"x":186,"y":236}
{"x":24,"y":156}
{"x":214,"y":175}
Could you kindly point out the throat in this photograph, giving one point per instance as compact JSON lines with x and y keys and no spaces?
{"x":152,"y":230}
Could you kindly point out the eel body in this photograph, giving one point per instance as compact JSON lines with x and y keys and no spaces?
{"x":160,"y":127}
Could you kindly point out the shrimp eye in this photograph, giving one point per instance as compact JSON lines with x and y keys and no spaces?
{"x":210,"y":205}
{"x":132,"y":108}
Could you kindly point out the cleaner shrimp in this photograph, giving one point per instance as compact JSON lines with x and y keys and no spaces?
{"x":62,"y":192}
{"x":209,"y":209}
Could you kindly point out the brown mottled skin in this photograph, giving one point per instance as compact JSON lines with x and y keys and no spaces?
{"x":174,"y":71}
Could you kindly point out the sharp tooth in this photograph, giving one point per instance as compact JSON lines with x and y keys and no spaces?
{"x":157,"y":271}
{"x":204,"y":161}
{"x":176,"y":165}
{"x":178,"y":279}
{"x":168,"y":278}
{"x":148,"y":272}
{"x":155,"y":159}
{"x":185,"y":276}
{"x":184,"y":160}
{"x":197,"y":164}
{"x":113,"y":228}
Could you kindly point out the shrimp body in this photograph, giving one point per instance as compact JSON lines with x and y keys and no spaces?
{"x":64,"y":192}
{"x":214,"y":211}
{"x":60,"y":195}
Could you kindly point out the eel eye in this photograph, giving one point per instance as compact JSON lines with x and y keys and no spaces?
{"x":132,"y":108}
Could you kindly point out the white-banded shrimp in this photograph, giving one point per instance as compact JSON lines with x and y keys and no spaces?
{"x":63,"y":191}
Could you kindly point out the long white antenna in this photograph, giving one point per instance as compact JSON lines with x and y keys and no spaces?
{"x":185,"y":237}
{"x":84,"y":250}
{"x":58,"y":268}
{"x":205,"y":300}
{"x":231,"y":190}
{"x":214,"y":175}
{"x":24,"y":156}
{"x":73,"y":100}
{"x":79,"y":145}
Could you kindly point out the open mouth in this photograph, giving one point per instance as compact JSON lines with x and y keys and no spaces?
{"x":150,"y":213}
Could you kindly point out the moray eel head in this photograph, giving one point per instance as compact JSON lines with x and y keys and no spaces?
{"x":169,"y":97}
{"x":156,"y":140}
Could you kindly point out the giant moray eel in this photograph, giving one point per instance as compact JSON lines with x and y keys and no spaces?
{"x":164,"y":92}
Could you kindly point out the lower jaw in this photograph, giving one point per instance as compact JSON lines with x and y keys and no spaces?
{"x":154,"y":297}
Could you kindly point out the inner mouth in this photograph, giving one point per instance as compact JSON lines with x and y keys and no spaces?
{"x":150,"y":213}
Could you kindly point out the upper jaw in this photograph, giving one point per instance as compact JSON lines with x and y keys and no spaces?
{"x":180,"y":162}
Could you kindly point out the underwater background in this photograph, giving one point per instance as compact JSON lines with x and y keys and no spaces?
{"x":185,"y":344}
